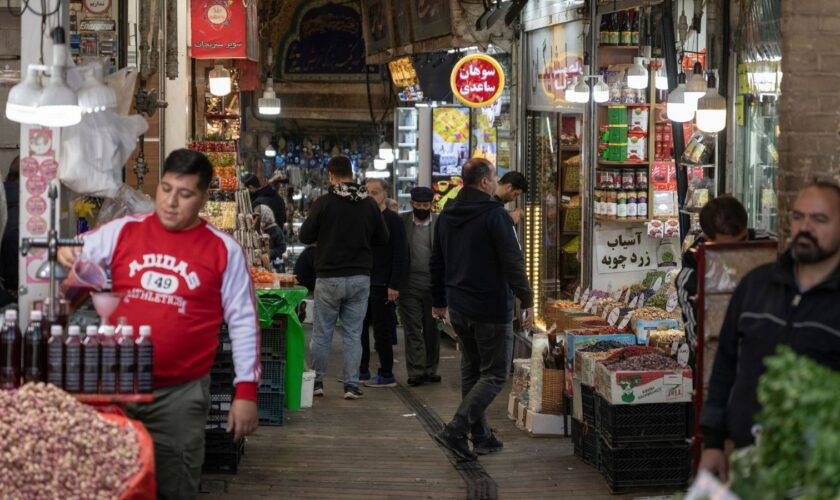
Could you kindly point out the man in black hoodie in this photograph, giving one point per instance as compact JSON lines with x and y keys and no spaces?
{"x":346,"y":224}
{"x":477,"y":267}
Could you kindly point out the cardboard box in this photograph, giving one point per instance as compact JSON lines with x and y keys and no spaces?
{"x":575,"y":341}
{"x":639,"y":387}
{"x":542,"y":425}
{"x":521,"y":411}
{"x":585,"y":366}
{"x":577,"y":402}
{"x":513,"y":402}
{"x":642,"y":328}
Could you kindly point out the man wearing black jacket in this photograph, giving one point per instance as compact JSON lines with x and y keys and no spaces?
{"x":794,"y":302}
{"x":346,"y":224}
{"x":477,"y":267}
{"x":266,"y":195}
{"x":388,"y":265}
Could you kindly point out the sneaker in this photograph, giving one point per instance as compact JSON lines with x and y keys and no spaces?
{"x":319,"y":389}
{"x":352,"y":392}
{"x":380,"y":381}
{"x":456,"y":443}
{"x":487,"y":446}
{"x":432,"y":379}
{"x":415,"y":381}
{"x":364,"y":375}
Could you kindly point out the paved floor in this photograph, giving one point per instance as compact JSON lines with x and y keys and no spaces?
{"x":379,"y":447}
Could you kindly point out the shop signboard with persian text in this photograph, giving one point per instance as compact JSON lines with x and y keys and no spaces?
{"x":555,"y":58}
{"x":223,"y":29}
{"x":477,"y":80}
{"x":621,"y":250}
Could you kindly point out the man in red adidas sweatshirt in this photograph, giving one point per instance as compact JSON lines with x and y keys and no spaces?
{"x":183,"y":277}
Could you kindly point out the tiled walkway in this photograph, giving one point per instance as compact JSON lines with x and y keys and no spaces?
{"x":379,"y":447}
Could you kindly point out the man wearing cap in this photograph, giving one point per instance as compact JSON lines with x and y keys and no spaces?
{"x":422,"y":339}
{"x":266,"y":195}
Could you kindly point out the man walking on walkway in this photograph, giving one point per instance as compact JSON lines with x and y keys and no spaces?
{"x":792,"y":301}
{"x":346,"y":224}
{"x":422,"y":338}
{"x":477,"y":267}
{"x":388,"y":264}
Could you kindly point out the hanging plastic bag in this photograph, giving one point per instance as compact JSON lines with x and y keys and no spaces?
{"x":126,"y":201}
{"x":123,"y":83}
{"x":94,"y":151}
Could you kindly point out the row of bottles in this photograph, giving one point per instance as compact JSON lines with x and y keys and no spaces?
{"x":108,"y":361}
{"x":620,"y":28}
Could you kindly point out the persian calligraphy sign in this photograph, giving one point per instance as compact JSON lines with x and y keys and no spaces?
{"x":477,"y":80}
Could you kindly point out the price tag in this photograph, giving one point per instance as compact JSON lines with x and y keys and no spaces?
{"x":669,"y":278}
{"x":657,"y":284}
{"x":613,"y":317}
{"x":641,"y":303}
{"x":675,"y":346}
{"x":577,"y":293}
{"x":627,"y":297}
{"x":625,"y":321}
{"x":584,"y":297}
{"x":617,"y":294}
{"x":589,"y":305}
{"x":672,"y":302}
{"x":682,"y":355}
{"x":635,"y":301}
{"x":604,"y":313}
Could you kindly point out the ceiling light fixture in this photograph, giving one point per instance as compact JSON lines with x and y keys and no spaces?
{"x":711,"y":109}
{"x":696,"y":86}
{"x":58,"y":105}
{"x":679,"y":108}
{"x":269,"y":104}
{"x":637,"y":74}
{"x":270,"y":152}
{"x":380,"y":163}
{"x":95,"y":96}
{"x":220,"y":84}
{"x":661,"y":78}
{"x":600,"y":91}
{"x":22,"y":104}
{"x":386,"y":152}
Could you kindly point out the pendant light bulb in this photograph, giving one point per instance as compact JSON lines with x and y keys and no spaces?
{"x":696,"y":86}
{"x":637,"y":74}
{"x":94,"y":95}
{"x":269,"y":104}
{"x":270,"y":152}
{"x":661,"y":78}
{"x":575,"y":96}
{"x":220,"y":84}
{"x":600,"y":91}
{"x":58,"y":105}
{"x":22,"y":104}
{"x":679,"y":108}
{"x":386,"y":152}
{"x":380,"y":163}
{"x":711,"y":110}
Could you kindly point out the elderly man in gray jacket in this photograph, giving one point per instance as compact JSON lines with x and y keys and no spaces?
{"x":422,"y":338}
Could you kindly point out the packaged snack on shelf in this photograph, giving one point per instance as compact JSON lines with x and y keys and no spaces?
{"x":637,"y":148}
{"x":639,"y":119}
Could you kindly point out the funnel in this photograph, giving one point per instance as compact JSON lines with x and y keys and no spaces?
{"x":105,"y":304}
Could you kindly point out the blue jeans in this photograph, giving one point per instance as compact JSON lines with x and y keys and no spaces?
{"x":486,"y":350}
{"x":345,"y":299}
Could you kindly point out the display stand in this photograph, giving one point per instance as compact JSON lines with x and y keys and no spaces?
{"x":720,"y":267}
{"x":284,"y":301}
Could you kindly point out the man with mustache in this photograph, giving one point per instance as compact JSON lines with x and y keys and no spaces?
{"x":793,"y":302}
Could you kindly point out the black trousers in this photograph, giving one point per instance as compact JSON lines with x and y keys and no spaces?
{"x":379,"y":316}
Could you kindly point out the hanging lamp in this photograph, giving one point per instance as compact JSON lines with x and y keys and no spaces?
{"x":269,"y":104}
{"x":220,"y":84}
{"x":679,"y":108}
{"x":711,"y":109}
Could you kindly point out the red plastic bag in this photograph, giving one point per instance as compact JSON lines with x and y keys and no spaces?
{"x":143,"y":485}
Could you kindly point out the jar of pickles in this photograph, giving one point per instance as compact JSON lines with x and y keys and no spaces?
{"x":621,"y":204}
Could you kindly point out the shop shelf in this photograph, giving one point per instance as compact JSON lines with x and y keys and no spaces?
{"x":601,"y":218}
{"x":625,"y":424}
{"x":649,"y":465}
{"x":270,"y":405}
{"x":585,"y":442}
{"x":619,"y":47}
{"x":406,"y":179}
{"x":273,"y":375}
{"x":408,"y":128}
{"x":629,"y":105}
{"x":605,"y":163}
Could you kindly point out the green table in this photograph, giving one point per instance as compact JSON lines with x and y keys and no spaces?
{"x":277,"y":301}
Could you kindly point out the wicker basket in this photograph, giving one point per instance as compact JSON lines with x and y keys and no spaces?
{"x":552,"y":393}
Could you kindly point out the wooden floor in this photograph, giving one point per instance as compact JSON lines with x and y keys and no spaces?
{"x":379,"y":447}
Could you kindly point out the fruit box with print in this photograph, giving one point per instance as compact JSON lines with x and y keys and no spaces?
{"x":577,"y":341}
{"x":638,"y":387}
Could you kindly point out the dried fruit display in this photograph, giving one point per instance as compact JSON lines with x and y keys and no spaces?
{"x":55,"y":447}
{"x":632,"y":351}
{"x":603,"y":346}
{"x":645,"y":362}
{"x":664,"y":339}
{"x":651,"y":314}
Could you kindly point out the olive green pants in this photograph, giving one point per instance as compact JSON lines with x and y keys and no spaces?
{"x":176,"y":421}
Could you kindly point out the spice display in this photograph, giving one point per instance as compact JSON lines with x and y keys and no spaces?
{"x":603,"y":346}
{"x":645,"y":362}
{"x":664,"y":339}
{"x":632,"y":351}
{"x":72,"y":452}
{"x":652,"y":276}
{"x":651,"y":314}
{"x":658,"y":299}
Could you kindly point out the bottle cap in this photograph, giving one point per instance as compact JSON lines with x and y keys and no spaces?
{"x":145,"y":330}
{"x":108,"y":330}
{"x":90,"y":330}
{"x":11,"y":315}
{"x":57,"y":329}
{"x":73,"y":330}
{"x":36,"y":316}
{"x":128,"y":331}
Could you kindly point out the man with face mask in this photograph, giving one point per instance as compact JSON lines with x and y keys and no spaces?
{"x":422,"y":339}
{"x":793,"y":302}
